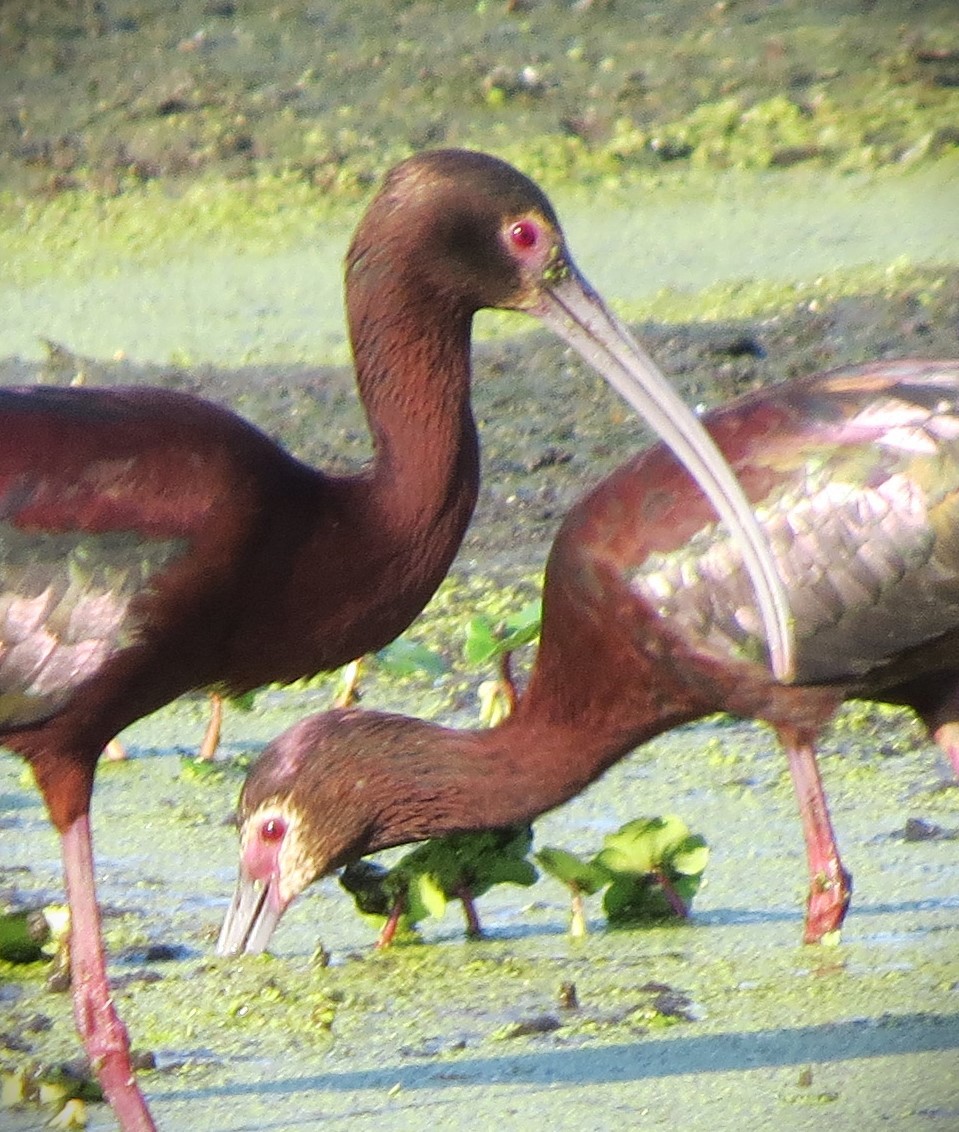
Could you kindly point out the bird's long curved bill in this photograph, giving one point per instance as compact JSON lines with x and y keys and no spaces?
{"x":574,"y":312}
{"x":251,"y":919}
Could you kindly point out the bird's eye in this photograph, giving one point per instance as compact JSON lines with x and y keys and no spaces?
{"x":524,"y":234}
{"x":273,"y":829}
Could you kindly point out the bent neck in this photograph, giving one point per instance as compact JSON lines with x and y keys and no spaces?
{"x":449,"y":781}
{"x":345,"y":563}
{"x":413,"y":373}
{"x":589,"y":703}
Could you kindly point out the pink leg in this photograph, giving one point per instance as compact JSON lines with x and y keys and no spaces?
{"x":103,"y":1033}
{"x":947,"y":736}
{"x":388,"y":930}
{"x":211,"y":737}
{"x":830,"y":884}
{"x":474,"y":930}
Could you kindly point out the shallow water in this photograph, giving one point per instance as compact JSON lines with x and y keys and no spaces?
{"x":866,"y":1035}
{"x":230,"y":307}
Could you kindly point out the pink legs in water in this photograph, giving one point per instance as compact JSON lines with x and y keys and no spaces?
{"x":830,"y":884}
{"x":104,"y":1035}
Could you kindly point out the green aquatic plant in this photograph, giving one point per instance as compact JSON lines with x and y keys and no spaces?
{"x":462,"y":866}
{"x":193,"y":769}
{"x":650,"y":869}
{"x":582,"y":878}
{"x":656,"y":866}
{"x":22,"y":936}
{"x":496,"y":639}
{"x":405,"y":657}
{"x":28,"y":935}
{"x":488,"y":639}
{"x":401,"y":658}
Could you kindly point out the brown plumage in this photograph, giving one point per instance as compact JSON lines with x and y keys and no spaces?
{"x":151,"y":543}
{"x":648,"y":623}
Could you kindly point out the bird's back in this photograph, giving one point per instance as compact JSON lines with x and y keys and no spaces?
{"x":854,"y":475}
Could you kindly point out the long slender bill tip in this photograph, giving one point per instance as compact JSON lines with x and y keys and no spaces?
{"x":250,"y":920}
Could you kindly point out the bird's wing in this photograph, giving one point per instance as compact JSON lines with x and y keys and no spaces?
{"x":66,"y":606}
{"x":855,"y":479}
{"x":99,"y":495}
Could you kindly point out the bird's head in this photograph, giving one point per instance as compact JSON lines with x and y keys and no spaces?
{"x":460,"y":228}
{"x":274,"y":868}
{"x":452,"y":231}
{"x":329,"y":790}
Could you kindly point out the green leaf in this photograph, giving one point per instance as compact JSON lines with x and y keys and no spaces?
{"x":637,"y":900}
{"x":645,"y":857}
{"x":407,"y":658}
{"x":523,"y":627}
{"x":505,"y":870}
{"x":486,"y":639}
{"x":199,"y":770}
{"x":433,"y":873}
{"x":586,"y":877}
{"x":427,"y":892}
{"x":626,"y":901}
{"x":691,"y":856}
{"x":22,"y":935}
{"x":631,"y":849}
{"x":367,"y":883}
{"x":643,"y":845}
{"x":481,"y":642}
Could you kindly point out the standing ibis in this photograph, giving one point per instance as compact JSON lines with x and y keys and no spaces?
{"x":152,"y":543}
{"x":648,"y":623}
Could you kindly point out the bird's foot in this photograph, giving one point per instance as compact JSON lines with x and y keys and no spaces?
{"x":828,"y":903}
{"x":107,"y":1046}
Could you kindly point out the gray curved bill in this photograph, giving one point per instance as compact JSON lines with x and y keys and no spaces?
{"x":574,"y":312}
{"x":250,"y":921}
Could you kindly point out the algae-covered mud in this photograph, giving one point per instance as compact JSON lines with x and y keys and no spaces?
{"x":727,"y":1021}
{"x":766,"y":189}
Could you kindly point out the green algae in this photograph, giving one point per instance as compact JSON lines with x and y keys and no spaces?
{"x":140,"y":285}
{"x":402,"y":1020}
{"x":77,"y":234}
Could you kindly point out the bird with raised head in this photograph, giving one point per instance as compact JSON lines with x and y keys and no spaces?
{"x":152,"y":543}
{"x":649,"y":623}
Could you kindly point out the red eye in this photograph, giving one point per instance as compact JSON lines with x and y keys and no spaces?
{"x":524,"y":234}
{"x":273,"y":829}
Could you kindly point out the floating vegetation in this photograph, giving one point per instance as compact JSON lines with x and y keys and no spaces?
{"x":649,"y":871}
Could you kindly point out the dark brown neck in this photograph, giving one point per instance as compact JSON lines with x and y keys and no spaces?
{"x":448,"y":780}
{"x":413,"y":374}
{"x":358,"y":557}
